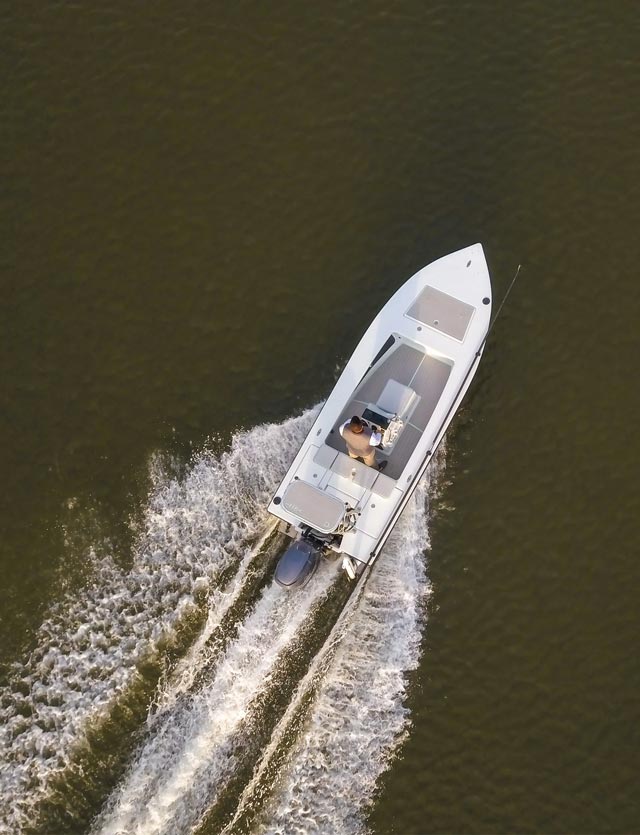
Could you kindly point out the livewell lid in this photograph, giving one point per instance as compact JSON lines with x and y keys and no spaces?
{"x":313,"y":506}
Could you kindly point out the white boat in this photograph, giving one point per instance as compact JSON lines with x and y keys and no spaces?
{"x":406,"y":379}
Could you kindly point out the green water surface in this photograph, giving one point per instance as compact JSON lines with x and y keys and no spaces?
{"x":204,"y":205}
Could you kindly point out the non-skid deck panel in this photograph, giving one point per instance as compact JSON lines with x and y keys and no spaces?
{"x":429,"y":382}
{"x":442,"y":312}
{"x":401,"y":364}
{"x":324,"y":456}
{"x":315,"y":507}
{"x":427,"y":377}
{"x":400,"y":453}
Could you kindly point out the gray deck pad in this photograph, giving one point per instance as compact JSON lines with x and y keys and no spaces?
{"x":318,"y":509}
{"x":425,"y":374}
{"x":400,"y":364}
{"x":383,"y":486}
{"x":429,"y":382}
{"x":441,"y":311}
{"x":325,"y":456}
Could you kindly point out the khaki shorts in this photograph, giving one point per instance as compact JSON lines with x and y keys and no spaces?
{"x":369,"y":459}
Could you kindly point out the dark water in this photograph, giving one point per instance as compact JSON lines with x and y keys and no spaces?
{"x":202,"y":209}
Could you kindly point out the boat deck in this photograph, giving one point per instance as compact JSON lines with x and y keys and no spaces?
{"x":426,"y":375}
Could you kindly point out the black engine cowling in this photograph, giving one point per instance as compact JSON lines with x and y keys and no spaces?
{"x":296,"y":566}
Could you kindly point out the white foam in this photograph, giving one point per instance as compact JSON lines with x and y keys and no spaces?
{"x":358,"y":718}
{"x":180,"y":772}
{"x":88,"y":650}
{"x":183,"y":676}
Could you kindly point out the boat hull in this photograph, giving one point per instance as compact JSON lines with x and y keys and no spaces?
{"x":406,"y":377}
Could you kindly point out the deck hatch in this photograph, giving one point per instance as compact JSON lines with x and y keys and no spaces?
{"x":442,"y":312}
{"x":315,"y":507}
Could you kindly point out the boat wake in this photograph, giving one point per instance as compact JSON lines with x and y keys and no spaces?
{"x":325,"y":780}
{"x":187,"y":764}
{"x":212,"y":698}
{"x":98,"y":656}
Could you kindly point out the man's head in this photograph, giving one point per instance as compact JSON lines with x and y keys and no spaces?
{"x":356,"y":425}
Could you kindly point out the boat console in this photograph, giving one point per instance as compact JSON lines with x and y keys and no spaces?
{"x":392,"y":412}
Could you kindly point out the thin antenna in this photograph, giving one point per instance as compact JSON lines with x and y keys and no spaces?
{"x":499,"y":310}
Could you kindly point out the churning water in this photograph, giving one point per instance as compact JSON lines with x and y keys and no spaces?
{"x":191,"y":693}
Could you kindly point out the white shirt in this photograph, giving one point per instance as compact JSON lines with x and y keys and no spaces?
{"x":374,"y":440}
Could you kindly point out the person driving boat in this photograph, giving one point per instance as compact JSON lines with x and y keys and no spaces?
{"x":361,"y":440}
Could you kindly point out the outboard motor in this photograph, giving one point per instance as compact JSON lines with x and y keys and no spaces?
{"x":296,"y":566}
